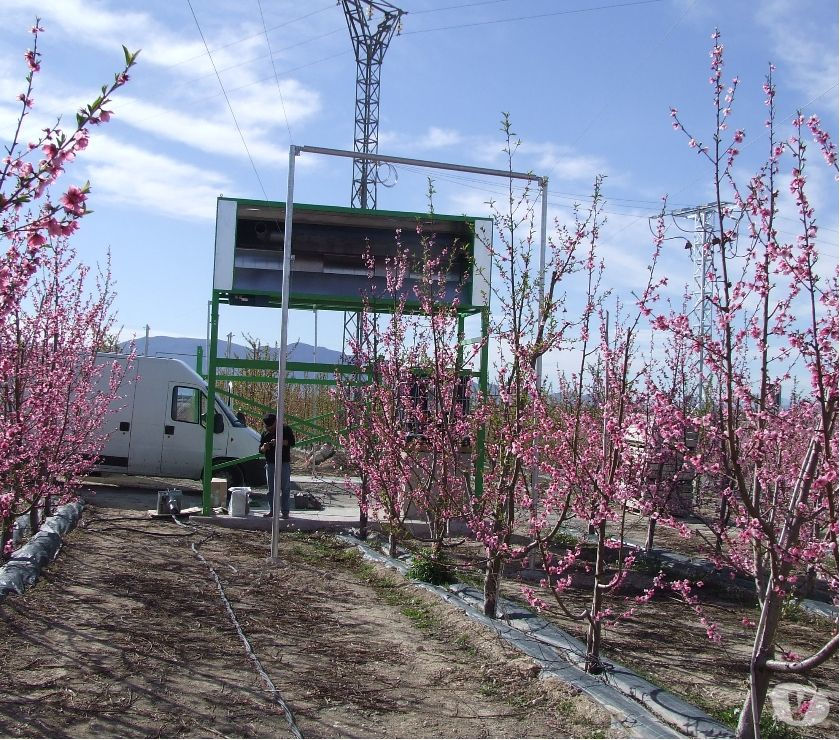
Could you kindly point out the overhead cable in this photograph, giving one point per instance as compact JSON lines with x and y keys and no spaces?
{"x":252,"y":36}
{"x":227,"y":99}
{"x":274,"y":68}
{"x":532,"y":17}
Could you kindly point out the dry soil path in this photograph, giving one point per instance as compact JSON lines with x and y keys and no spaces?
{"x":125,"y":635}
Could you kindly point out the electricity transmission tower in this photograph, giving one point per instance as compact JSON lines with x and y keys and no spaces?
{"x":370,"y":41}
{"x":702,"y":258}
{"x":372,"y":26}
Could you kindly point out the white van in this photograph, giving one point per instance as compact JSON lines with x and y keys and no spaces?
{"x":158,"y":425}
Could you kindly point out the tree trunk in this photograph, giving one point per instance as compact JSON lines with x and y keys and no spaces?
{"x":763,"y":650}
{"x":492,"y":579}
{"x":363,"y":512}
{"x":34,"y":524}
{"x":6,"y":536}
{"x":437,"y":549}
{"x":810,"y":582}
{"x":593,"y":635}
{"x":723,"y":516}
{"x":649,"y":540}
{"x":392,"y":544}
{"x":811,"y":572}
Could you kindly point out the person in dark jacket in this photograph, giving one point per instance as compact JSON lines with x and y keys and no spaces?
{"x":268,"y":445}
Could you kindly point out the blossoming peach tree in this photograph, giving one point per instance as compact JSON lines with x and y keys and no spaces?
{"x":407,"y":421}
{"x":603,"y":454}
{"x":775,"y":318}
{"x":527,"y":321}
{"x":53,"y":317}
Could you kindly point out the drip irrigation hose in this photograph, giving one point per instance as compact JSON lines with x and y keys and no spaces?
{"x":249,"y":651}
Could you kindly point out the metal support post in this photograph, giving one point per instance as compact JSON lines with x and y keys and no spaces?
{"x":284,"y":341}
{"x":315,"y":389}
{"x":535,"y":470}
{"x":211,"y":405}
{"x":483,"y":387}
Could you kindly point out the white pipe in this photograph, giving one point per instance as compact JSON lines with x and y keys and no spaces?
{"x":535,"y":470}
{"x":315,"y":388}
{"x":284,"y":340}
{"x":423,"y":163}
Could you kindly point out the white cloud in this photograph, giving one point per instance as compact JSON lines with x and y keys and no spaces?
{"x":438,"y":138}
{"x":562,"y":163}
{"x":260,"y":121}
{"x":128,"y":175}
{"x":93,"y":23}
{"x":433,"y":138}
{"x":192,"y":111}
{"x":469,"y":202}
{"x":805,"y":51}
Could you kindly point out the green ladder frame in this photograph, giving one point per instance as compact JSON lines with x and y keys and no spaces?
{"x":272,"y":300}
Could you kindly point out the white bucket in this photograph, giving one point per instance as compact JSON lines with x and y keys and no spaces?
{"x":239,"y":501}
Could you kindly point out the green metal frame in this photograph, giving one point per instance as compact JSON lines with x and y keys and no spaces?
{"x":263,"y":299}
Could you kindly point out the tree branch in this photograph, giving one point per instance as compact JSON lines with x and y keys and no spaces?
{"x":818,"y":658}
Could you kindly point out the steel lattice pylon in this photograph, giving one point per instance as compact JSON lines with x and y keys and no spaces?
{"x":369,"y":44}
{"x":702,"y":258}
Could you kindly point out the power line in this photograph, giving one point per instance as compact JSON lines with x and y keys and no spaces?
{"x":274,"y":68}
{"x":251,"y":36}
{"x":255,"y":82}
{"x":455,"y":7}
{"x":533,"y":17}
{"x":578,"y":197}
{"x":271,"y":55}
{"x":608,"y":98}
{"x":611,"y":202}
{"x":743,"y":148}
{"x":501,"y":190}
{"x":227,"y":99}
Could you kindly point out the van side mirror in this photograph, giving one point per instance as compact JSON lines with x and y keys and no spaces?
{"x":218,"y":423}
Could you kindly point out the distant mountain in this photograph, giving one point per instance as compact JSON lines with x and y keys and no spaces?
{"x":184,"y":348}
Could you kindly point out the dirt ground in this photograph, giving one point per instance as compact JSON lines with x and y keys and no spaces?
{"x":666,"y":643}
{"x":126,"y":635}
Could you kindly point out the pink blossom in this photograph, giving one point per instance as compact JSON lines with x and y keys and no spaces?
{"x":32,"y":60}
{"x":74,"y":200}
{"x":36,"y":239}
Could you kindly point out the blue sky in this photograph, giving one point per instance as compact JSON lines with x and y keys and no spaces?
{"x":588,"y":84}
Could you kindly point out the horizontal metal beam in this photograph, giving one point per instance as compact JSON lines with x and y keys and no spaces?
{"x":268,"y":299}
{"x":325,"y":368}
{"x":422,"y":163}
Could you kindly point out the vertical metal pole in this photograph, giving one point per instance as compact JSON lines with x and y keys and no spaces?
{"x":209,"y":319}
{"x":211,"y":404}
{"x":702,"y":222}
{"x":459,"y":353}
{"x":483,"y":386}
{"x":315,"y":386}
{"x":199,"y":360}
{"x":146,"y":343}
{"x":604,"y":434}
{"x":535,"y":470}
{"x":284,"y":340}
